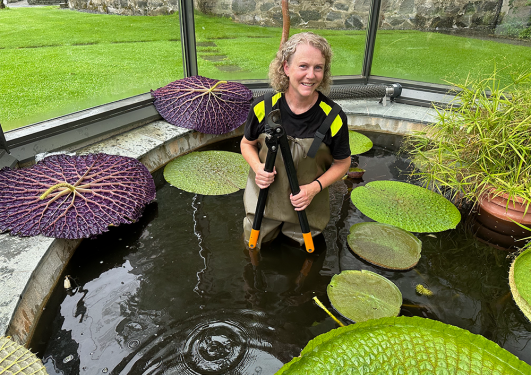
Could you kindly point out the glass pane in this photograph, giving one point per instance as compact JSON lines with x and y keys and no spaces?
{"x":238,"y":44}
{"x":463,"y":38}
{"x":348,"y":47}
{"x":58,"y":61}
{"x":231,"y":50}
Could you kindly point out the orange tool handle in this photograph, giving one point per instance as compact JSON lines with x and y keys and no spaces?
{"x":308,"y":242}
{"x":253,"y":238}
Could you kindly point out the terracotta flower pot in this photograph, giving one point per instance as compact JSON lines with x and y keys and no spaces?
{"x":497,"y":217}
{"x":500,"y":207}
{"x":493,"y":238}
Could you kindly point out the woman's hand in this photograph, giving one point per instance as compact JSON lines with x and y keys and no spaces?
{"x":336,"y":171}
{"x":263,"y":179}
{"x":250,"y":153}
{"x":305,"y":196}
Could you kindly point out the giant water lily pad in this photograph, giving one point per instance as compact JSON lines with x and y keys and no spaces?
{"x":520,"y":282}
{"x":16,"y":359}
{"x":65,"y":196}
{"x":364,"y":295}
{"x":359,"y":143}
{"x":385,"y":245}
{"x":204,"y":104}
{"x":208,"y":172}
{"x":410,"y":207}
{"x":403,"y":345}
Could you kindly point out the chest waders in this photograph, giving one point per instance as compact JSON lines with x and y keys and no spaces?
{"x":278,"y":214}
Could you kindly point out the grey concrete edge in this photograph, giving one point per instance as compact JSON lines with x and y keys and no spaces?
{"x":154,"y":144}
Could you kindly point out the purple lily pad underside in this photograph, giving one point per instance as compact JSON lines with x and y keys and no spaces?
{"x":73,"y":197}
{"x":203,"y":104}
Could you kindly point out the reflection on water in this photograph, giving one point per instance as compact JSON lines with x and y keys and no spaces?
{"x":178,"y":292}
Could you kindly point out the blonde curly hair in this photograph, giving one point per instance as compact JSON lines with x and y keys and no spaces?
{"x":278,"y":78}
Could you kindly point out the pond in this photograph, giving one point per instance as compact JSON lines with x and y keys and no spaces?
{"x":179,"y":293}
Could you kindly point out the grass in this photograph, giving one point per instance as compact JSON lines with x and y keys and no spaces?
{"x":57,"y":61}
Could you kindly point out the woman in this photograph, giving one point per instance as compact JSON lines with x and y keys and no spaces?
{"x":300,"y":74}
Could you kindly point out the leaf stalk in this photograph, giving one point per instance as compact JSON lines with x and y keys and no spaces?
{"x":58,"y":186}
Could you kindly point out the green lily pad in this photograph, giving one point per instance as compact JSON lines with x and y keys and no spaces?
{"x":364,"y":295}
{"x":385,"y":245}
{"x":410,"y":207}
{"x":520,"y":282}
{"x":208,"y":172}
{"x":359,"y":143}
{"x":403,"y":345}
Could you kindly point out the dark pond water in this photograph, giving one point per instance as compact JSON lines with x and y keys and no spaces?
{"x":178,"y":292}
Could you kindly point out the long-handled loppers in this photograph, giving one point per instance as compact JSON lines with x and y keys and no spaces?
{"x":276,"y":137}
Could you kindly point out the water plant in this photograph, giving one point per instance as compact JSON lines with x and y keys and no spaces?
{"x":384,"y":245}
{"x":364,"y":295}
{"x":208,"y":172}
{"x":481,"y":142}
{"x":403,"y":345}
{"x":65,"y":196}
{"x":207,"y":105}
{"x":407,"y":206}
{"x":359,"y":143}
{"x":423,"y":291}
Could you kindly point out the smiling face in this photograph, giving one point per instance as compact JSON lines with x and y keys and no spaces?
{"x":305,"y":70}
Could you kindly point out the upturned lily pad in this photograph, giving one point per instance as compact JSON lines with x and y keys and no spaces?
{"x":364,"y":295}
{"x":71,"y":197}
{"x":385,"y":245}
{"x":208,"y":172}
{"x":520,"y":282}
{"x":410,"y":207}
{"x":403,"y":345}
{"x":355,"y":172}
{"x":359,"y":143}
{"x":207,"y":105}
{"x":16,"y":359}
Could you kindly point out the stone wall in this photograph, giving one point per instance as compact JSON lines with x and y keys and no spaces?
{"x":334,"y":14}
{"x":127,"y":7}
{"x":46,"y":2}
{"x":353,"y":14}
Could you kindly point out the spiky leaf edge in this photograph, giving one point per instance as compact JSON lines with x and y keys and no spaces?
{"x":415,"y":321}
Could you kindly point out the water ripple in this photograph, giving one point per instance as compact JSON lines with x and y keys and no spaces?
{"x":228,"y":342}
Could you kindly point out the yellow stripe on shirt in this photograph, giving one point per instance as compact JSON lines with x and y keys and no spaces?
{"x":337,"y":123}
{"x":259,"y":109}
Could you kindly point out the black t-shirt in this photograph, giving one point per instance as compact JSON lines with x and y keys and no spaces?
{"x":303,"y":125}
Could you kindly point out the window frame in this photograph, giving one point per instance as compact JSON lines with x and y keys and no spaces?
{"x":72,"y":131}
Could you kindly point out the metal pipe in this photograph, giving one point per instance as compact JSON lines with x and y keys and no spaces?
{"x":392,"y":91}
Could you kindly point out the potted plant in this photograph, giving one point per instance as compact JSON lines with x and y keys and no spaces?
{"x":479,"y":150}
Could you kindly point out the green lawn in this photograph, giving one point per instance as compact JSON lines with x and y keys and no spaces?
{"x":57,"y":61}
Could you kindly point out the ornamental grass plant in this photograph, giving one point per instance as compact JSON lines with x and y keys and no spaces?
{"x":481,"y":141}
